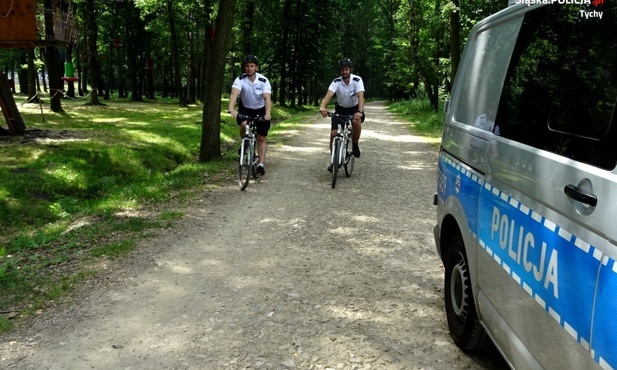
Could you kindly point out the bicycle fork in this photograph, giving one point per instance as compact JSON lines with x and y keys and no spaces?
{"x":337,"y":139}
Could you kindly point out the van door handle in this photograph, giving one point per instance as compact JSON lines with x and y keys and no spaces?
{"x":580,"y":196}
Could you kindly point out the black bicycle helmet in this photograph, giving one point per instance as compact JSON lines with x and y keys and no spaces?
{"x":250,"y":59}
{"x":344,"y":62}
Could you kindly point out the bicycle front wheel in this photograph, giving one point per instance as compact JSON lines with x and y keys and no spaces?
{"x":254,"y":159}
{"x":245,"y":165}
{"x":336,"y":159}
{"x":349,"y":158}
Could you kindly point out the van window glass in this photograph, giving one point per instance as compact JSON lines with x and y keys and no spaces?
{"x":485,"y":70}
{"x":561,"y":88}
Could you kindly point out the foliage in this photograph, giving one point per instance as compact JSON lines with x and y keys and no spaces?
{"x":424,"y":120}
{"x":298,"y":41}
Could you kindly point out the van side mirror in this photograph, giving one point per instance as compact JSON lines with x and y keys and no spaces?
{"x":446,"y":105}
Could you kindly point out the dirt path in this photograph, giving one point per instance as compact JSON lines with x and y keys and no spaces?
{"x":290,"y":274}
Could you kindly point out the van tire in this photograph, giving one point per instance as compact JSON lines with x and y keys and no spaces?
{"x":465,"y":328}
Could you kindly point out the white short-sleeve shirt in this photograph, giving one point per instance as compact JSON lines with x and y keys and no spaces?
{"x":252,"y":93}
{"x":346,"y":95}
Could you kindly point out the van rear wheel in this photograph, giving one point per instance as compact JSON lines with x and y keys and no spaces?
{"x":463,"y":321}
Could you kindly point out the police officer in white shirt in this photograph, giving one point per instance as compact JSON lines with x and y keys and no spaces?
{"x":349,"y":90}
{"x":255,"y":92}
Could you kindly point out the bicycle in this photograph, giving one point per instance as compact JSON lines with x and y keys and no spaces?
{"x":249,"y":158}
{"x":342,"y":155}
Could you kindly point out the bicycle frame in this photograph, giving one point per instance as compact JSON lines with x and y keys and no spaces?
{"x":248,"y":160}
{"x":341,"y":153}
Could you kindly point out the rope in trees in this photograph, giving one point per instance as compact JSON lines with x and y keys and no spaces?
{"x":39,"y":93}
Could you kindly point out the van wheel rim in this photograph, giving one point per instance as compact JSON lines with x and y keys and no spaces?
{"x":458,"y":290}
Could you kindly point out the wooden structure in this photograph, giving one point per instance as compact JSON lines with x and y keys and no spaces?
{"x":17,"y":23}
{"x":19,"y":29}
{"x":19,"y":26}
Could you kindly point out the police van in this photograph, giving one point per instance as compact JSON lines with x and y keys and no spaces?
{"x":527,"y":188}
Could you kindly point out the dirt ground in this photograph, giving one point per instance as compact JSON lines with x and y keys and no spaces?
{"x":289,"y":274}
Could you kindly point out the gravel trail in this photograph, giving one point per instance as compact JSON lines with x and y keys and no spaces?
{"x":289,"y":274}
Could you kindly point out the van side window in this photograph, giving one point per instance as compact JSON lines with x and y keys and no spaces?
{"x":483,"y":79}
{"x":561,"y":86}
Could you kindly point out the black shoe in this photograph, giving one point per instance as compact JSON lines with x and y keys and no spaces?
{"x":261,"y":170}
{"x":356,"y":151}
{"x":330,"y":168}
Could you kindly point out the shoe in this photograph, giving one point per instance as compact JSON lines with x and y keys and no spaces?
{"x":330,"y":168}
{"x":356,"y":151}
{"x":261,"y":170}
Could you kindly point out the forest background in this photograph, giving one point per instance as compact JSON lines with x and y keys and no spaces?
{"x":403,"y":49}
{"x":92,"y":181}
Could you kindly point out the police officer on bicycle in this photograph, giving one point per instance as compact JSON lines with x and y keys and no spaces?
{"x":255,"y":92}
{"x":349,"y":90}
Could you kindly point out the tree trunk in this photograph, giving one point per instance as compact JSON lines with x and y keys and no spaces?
{"x":51,"y":59}
{"x":92,"y":32}
{"x":175,"y":52}
{"x":32,"y":97}
{"x":430,"y":86}
{"x":455,"y":42}
{"x":284,"y":55}
{"x":247,"y":27}
{"x":215,"y":69}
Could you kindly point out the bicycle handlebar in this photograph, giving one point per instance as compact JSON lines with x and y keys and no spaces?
{"x":350,"y":116}
{"x":249,"y":118}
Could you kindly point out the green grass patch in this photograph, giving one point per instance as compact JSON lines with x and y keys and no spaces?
{"x":425,"y":121}
{"x":81,"y":186}
{"x":114,"y":249}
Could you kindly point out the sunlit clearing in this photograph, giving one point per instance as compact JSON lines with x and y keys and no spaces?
{"x":68,"y":176}
{"x":301,"y":149}
{"x":211,"y":262}
{"x":399,"y":139}
{"x":117,"y":203}
{"x":148,"y":137}
{"x":342,"y":231}
{"x":365,"y":218}
{"x":108,"y":120}
{"x":180,"y":269}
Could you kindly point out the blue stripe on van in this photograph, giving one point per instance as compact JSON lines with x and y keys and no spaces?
{"x":556,"y":268}
{"x":604,"y":335}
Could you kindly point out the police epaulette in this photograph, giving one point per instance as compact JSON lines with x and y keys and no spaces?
{"x":262,"y":79}
{"x":243,"y":75}
{"x":337,"y":79}
{"x":356,"y":79}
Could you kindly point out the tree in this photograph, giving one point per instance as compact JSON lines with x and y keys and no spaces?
{"x":51,"y":59}
{"x":215,"y":68}
{"x":455,"y":40}
{"x":93,"y":55}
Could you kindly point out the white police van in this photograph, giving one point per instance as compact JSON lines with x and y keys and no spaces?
{"x":527,"y":189}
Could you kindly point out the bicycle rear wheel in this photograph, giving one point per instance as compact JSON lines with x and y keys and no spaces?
{"x":336,"y":159}
{"x":245,"y":165}
{"x":349,"y":158}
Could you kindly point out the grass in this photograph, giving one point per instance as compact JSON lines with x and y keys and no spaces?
{"x":84,"y":186}
{"x":81,"y":186}
{"x":424,"y":120}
